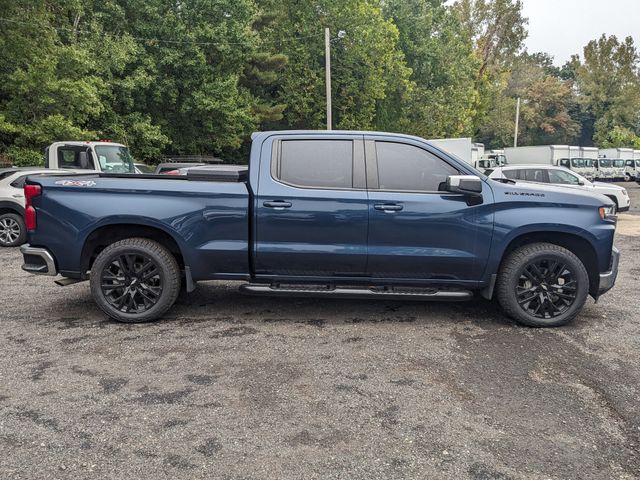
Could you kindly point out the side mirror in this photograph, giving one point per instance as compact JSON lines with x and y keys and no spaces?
{"x":84,"y":160}
{"x":581,"y":183}
{"x":465,"y":184}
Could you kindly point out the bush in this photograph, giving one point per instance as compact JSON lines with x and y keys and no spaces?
{"x":25,"y":157}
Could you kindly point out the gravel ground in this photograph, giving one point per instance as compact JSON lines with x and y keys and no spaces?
{"x":237,"y":387}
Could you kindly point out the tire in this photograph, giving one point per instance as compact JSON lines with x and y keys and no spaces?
{"x":527,"y":294}
{"x":13,"y":232}
{"x":627,"y":177}
{"x":135,"y":280}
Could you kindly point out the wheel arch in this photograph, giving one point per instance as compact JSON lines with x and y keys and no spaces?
{"x":103,"y":236}
{"x":613,"y":198}
{"x":578,"y":245}
{"x":10,"y":207}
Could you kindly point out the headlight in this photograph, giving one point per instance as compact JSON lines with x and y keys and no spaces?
{"x":608,"y":213}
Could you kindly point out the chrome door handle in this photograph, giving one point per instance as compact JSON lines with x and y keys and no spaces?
{"x":388,"y":207}
{"x":277,"y":204}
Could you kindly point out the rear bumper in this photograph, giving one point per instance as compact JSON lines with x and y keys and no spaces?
{"x":38,"y":261}
{"x":608,"y":279}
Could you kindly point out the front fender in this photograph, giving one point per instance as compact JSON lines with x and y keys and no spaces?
{"x":513,"y":222}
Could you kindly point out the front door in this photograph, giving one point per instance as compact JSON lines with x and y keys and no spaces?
{"x":416,"y":230}
{"x":311,"y":207}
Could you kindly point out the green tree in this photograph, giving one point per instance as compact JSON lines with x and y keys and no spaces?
{"x":497,"y":29}
{"x":548,"y":111}
{"x":609,"y":84}
{"x":367,"y":65}
{"x":47,"y":87}
{"x":441,"y":100}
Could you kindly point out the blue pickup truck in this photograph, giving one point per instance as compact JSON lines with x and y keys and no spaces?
{"x":352,"y":214}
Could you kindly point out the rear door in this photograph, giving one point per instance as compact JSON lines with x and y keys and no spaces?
{"x":416,"y":230}
{"x":311,"y":207}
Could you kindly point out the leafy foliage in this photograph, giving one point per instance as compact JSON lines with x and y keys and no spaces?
{"x":198,"y":76}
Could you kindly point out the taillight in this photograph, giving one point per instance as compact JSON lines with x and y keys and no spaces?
{"x":30,"y":192}
{"x":172,"y":172}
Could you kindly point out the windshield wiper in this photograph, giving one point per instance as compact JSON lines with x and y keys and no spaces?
{"x":505,"y":180}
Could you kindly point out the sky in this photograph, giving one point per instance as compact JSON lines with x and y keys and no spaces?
{"x":564,"y":27}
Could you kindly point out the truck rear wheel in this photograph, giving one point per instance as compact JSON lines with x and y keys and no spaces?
{"x":542,"y":285}
{"x":135,"y":280}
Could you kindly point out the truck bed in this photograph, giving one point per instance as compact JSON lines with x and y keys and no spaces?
{"x":208,"y":217}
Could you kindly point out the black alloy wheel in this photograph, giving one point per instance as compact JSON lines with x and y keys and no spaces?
{"x":542,"y":285}
{"x":135,"y":280}
{"x":546,"y":289}
{"x":132,"y":282}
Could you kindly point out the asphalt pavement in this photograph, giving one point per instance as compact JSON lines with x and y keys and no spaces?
{"x":237,"y":387}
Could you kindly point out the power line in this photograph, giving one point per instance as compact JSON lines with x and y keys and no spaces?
{"x":151,"y":39}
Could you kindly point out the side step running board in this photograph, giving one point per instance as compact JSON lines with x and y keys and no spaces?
{"x":397,"y":293}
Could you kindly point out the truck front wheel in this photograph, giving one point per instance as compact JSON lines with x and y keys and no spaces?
{"x":135,"y":280}
{"x":542,"y":285}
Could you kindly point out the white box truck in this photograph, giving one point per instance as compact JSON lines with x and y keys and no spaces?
{"x":465,"y":149}
{"x":498,"y":156}
{"x":632,"y":169}
{"x":539,"y":155}
{"x":578,"y":163}
{"x":613,"y":161}
{"x":590,"y":157}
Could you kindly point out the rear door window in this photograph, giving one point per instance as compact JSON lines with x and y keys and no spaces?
{"x":511,"y":174}
{"x":316,"y":163}
{"x":69,"y":157}
{"x":19,"y":182}
{"x":534,"y":175}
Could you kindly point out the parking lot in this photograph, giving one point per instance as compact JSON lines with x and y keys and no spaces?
{"x":237,"y":387}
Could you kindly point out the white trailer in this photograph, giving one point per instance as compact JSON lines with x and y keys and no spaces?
{"x":100,"y":156}
{"x":465,"y":149}
{"x":613,"y":162}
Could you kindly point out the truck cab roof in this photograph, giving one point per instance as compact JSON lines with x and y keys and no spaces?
{"x":88,"y":143}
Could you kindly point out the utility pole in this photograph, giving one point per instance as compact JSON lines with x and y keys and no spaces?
{"x":515,"y":135}
{"x":327,"y":59}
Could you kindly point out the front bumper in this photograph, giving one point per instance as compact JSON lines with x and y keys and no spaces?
{"x":38,"y":261}
{"x":608,"y":279}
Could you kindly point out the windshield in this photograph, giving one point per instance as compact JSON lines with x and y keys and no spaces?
{"x":114,"y":159}
{"x":486,"y":164}
{"x":605,"y":163}
{"x":577,"y":162}
{"x":618,"y":163}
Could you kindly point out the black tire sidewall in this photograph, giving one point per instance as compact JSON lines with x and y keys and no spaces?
{"x":169,"y":275}
{"x":524,"y":256}
{"x":22,"y":238}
